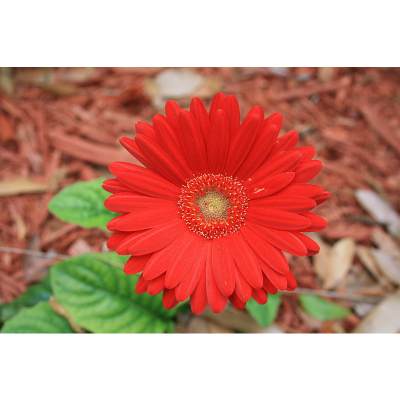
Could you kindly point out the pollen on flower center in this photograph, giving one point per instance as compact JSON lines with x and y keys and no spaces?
{"x":213,"y":205}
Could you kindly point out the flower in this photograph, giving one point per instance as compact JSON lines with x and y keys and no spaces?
{"x":218,"y":202}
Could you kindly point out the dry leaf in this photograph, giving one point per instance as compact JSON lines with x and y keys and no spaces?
{"x":385,"y":242}
{"x":22,"y":186}
{"x":384,"y":318}
{"x":333,"y":264}
{"x":389,"y":265}
{"x":321,"y":260}
{"x":179,"y":83}
{"x":387,"y":257}
{"x":201,"y":325}
{"x":379,"y":209}
{"x":60,"y":310}
{"x":234,"y":320}
{"x":367,"y":259}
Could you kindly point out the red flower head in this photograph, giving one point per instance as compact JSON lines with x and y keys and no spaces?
{"x":216,"y":205}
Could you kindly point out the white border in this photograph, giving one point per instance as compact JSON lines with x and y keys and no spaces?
{"x":199,"y":366}
{"x":199,"y":33}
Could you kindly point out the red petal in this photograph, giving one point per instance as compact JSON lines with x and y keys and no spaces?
{"x":236,"y":302}
{"x":260,"y":296}
{"x":198,"y":301}
{"x":186,"y":288}
{"x":232,"y":111}
{"x":302,"y":189}
{"x":242,"y":289}
{"x":153,"y":239}
{"x":307,"y":151}
{"x":287,"y":142}
{"x":114,"y":186}
{"x":245,"y":259}
{"x":172,"y":111}
{"x":262,"y":146}
{"x":143,"y":219}
{"x":281,"y":220}
{"x":192,"y":143}
{"x":156,"y":285}
{"x":160,"y":161}
{"x":136,"y":264}
{"x":224,"y":267}
{"x":317,"y":222}
{"x":291,"y":281}
{"x":142,"y":180}
{"x":311,"y":245}
{"x":286,"y":241}
{"x":133,"y":149}
{"x":115,"y":239}
{"x":267,"y":253}
{"x":161,"y":261}
{"x":218,"y":142}
{"x":216,"y":300}
{"x":272,"y":185}
{"x":129,"y":202}
{"x":183,"y":260}
{"x":141,"y":285}
{"x":244,"y":140}
{"x":289,"y":203}
{"x":169,"y":300}
{"x":308,"y":170}
{"x":284,"y":161}
{"x":201,"y":116}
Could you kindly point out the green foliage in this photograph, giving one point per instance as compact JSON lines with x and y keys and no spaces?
{"x":82,"y":204}
{"x":264,"y":314}
{"x":37,"y":319}
{"x":321,"y":309}
{"x":35,"y":294}
{"x":100,"y":297}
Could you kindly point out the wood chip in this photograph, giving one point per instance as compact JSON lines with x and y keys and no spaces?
{"x":379,"y":209}
{"x":384,"y":318}
{"x":88,"y":151}
{"x":306,"y":91}
{"x":22,"y":186}
{"x":379,"y":124}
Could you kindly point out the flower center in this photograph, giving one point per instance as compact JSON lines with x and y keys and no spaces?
{"x":213,"y":205}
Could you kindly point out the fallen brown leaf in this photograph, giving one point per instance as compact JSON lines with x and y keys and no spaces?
{"x":379,"y":209}
{"x":384,"y":318}
{"x":333,"y":263}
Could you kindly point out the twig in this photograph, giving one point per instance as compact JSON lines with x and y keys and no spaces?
{"x":33,"y":253}
{"x":349,"y":296}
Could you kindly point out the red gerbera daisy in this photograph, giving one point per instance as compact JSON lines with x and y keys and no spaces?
{"x":216,"y":205}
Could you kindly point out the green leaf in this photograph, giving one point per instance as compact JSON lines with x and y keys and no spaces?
{"x":35,"y":294}
{"x":82,"y":204}
{"x":100,"y":297}
{"x":37,"y":319}
{"x":321,"y":309}
{"x":264,"y":314}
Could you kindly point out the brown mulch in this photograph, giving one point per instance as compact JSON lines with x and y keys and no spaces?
{"x":61,"y":125}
